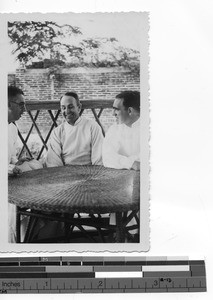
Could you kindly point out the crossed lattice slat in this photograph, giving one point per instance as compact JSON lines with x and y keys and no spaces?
{"x":37,"y":106}
{"x":44,"y":141}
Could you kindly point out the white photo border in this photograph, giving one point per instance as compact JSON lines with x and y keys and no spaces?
{"x":144,"y":243}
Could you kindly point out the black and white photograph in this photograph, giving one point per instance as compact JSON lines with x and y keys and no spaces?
{"x":75,"y":196}
{"x":78,"y":131}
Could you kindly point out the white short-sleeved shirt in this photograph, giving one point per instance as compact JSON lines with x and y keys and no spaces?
{"x":121,"y":146}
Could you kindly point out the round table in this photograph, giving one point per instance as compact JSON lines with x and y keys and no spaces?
{"x":76,"y":189}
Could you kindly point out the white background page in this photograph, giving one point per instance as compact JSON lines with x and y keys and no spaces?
{"x":181,"y":96}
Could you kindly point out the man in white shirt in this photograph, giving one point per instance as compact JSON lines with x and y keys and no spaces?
{"x":121,"y":146}
{"x":77,"y":141}
{"x":16,"y":107}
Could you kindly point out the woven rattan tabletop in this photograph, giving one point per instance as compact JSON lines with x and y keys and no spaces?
{"x":76,"y":189}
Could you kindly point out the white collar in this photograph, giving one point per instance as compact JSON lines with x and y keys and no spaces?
{"x":136,"y":123}
{"x":76,"y":122}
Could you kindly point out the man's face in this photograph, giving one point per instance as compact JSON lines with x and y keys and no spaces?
{"x":70,"y":109}
{"x":120,"y":112}
{"x":17,"y":107}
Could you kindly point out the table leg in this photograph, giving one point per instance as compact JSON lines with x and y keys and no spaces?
{"x":30,"y":229}
{"x":18,"y":225}
{"x":120,"y":228}
{"x":132,"y":226}
{"x":67,"y":227}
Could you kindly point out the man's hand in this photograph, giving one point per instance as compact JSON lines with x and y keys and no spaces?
{"x":15,"y":171}
{"x":22,"y":160}
{"x":136,"y":166}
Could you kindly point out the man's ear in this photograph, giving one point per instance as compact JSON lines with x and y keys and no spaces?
{"x":130,"y":110}
{"x":80,"y":106}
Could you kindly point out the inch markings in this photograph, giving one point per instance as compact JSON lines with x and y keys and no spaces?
{"x":101,"y":275}
{"x":123,"y":285}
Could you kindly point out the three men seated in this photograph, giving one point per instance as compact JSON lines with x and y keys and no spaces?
{"x":79,"y":141}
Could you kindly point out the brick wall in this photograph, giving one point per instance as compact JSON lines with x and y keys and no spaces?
{"x":89,"y":83}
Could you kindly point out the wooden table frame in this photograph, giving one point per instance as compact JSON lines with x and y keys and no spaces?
{"x":100,"y":223}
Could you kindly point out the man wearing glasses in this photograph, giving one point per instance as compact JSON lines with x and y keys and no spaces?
{"x":16,"y":107}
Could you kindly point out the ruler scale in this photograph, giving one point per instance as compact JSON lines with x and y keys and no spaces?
{"x":101,"y":275}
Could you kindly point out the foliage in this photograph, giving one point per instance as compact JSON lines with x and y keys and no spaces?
{"x":105,"y":52}
{"x":40,"y":39}
{"x":46,"y":42}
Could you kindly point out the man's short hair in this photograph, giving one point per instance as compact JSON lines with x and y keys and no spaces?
{"x":130,"y":99}
{"x":13,"y":91}
{"x":74,"y":95}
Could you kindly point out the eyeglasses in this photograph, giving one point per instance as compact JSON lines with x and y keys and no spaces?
{"x":20,"y":104}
